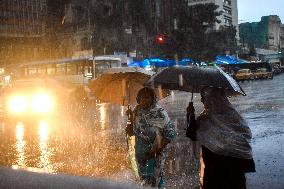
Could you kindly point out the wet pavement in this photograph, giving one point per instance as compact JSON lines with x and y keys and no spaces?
{"x":94,"y":145}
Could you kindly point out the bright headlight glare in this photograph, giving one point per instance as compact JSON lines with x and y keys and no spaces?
{"x":17,"y":104}
{"x":41,"y":103}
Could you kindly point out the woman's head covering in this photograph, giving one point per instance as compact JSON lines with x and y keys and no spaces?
{"x":216,"y":99}
{"x":146,"y":90}
{"x":222,"y":129}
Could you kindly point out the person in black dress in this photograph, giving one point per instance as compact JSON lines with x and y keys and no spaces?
{"x":225,"y":141}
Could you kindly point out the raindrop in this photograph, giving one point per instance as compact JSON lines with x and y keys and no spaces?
{"x":180,"y":80}
{"x":176,"y":124}
{"x":171,"y":166}
{"x":160,"y":92}
{"x":173,"y":96}
{"x":177,"y":162}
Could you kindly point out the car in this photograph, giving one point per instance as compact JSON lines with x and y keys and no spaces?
{"x":263,"y":73}
{"x":244,"y":74}
{"x":27,"y":101}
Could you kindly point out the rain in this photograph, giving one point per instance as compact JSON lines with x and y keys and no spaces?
{"x":70,"y":72}
{"x":94,"y":145}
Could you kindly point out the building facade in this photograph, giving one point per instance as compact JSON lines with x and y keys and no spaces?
{"x":228,"y":8}
{"x":22,"y":27}
{"x":266,"y":34}
{"x":282,"y":37}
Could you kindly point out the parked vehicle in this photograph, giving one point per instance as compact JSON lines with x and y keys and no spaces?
{"x":277,"y":69}
{"x":262,"y":73}
{"x":244,"y":74}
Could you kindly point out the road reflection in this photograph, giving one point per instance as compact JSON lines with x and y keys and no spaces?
{"x":20,"y":145}
{"x":102,"y":113}
{"x":23,"y":148}
{"x":45,"y":152}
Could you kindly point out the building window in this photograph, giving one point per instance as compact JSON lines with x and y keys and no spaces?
{"x":227,"y":10}
{"x":228,"y":21}
{"x":227,"y":2}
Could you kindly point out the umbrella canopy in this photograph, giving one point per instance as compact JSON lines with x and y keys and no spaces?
{"x":121,"y":85}
{"x":193,"y":79}
{"x":228,"y":59}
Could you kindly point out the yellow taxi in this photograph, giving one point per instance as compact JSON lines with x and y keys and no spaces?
{"x":263,"y":73}
{"x":244,"y":74}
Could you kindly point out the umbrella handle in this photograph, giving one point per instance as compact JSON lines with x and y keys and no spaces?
{"x":126,"y":136}
{"x":129,"y":121}
{"x":187,"y":115}
{"x":192,"y":94}
{"x":129,"y":112}
{"x":244,"y":94}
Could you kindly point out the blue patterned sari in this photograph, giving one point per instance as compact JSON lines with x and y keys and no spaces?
{"x":150,"y":126}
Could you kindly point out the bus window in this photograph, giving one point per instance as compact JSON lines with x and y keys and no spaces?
{"x":71,"y":69}
{"x":101,"y":67}
{"x":87,"y":70}
{"x":32,"y":71}
{"x":60,"y":69}
{"x":102,"y":63}
{"x":41,"y":71}
{"x":114,"y":63}
{"x":50,"y":70}
{"x":80,"y":69}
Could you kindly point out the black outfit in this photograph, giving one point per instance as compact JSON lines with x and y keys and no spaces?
{"x":221,"y":172}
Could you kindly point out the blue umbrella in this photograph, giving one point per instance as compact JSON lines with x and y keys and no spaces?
{"x":228,"y":59}
{"x":158,"y":62}
{"x":141,"y":64}
{"x":185,"y":61}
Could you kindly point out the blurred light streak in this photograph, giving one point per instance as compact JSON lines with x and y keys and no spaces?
{"x":20,"y":145}
{"x":45,"y":153}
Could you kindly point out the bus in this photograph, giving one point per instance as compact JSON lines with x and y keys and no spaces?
{"x":77,"y":71}
{"x":65,"y":80}
{"x":104,"y":62}
{"x":74,"y":71}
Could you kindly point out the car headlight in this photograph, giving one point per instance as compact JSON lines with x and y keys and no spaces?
{"x":17,"y":104}
{"x":41,"y":103}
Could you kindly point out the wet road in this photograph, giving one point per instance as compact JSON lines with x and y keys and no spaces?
{"x":68,"y":143}
{"x":263,"y":109}
{"x":94,"y":145}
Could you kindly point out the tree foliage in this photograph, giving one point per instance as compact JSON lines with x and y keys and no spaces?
{"x":193,"y":37}
{"x":194,"y":22}
{"x":108,"y":18}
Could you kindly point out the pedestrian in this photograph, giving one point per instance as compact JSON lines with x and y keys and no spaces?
{"x":225,"y":141}
{"x":153,"y":130}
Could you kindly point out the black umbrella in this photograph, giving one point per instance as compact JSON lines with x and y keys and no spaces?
{"x":193,"y":79}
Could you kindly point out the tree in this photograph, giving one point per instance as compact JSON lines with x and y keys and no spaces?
{"x":189,"y":37}
{"x":219,"y":42}
{"x":195,"y":22}
{"x":109,"y":31}
{"x":193,"y":35}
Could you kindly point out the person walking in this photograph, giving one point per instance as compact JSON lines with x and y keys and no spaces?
{"x":225,"y":141}
{"x":153,"y":130}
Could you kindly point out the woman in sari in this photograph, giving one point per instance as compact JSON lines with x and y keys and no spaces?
{"x":153,"y":130}
{"x":225,"y":141}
